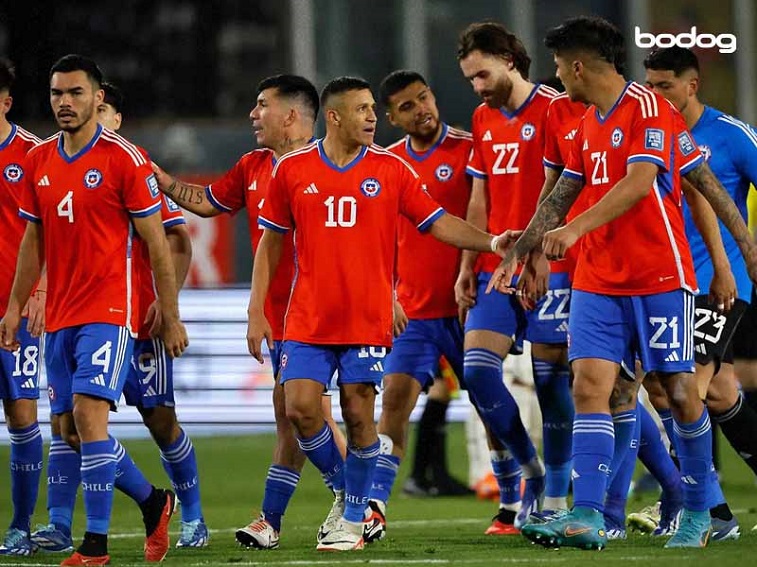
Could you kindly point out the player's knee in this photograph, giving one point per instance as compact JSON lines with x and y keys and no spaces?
{"x":162,"y":423}
{"x":302,"y":417}
{"x":682,"y":391}
{"x":22,"y":415}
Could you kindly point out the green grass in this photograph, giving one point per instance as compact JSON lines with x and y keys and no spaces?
{"x":440,"y":531}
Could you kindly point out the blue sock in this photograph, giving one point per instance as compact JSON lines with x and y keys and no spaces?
{"x":593,"y":444}
{"x":666,"y":416}
{"x":129,"y":479}
{"x":655,"y":456}
{"x":280,"y":485}
{"x":620,"y":482}
{"x":384,"y":477}
{"x":624,"y":425}
{"x":322,"y":451}
{"x":552,"y":383}
{"x":180,"y":464}
{"x":496,"y":406}
{"x":63,"y":480}
{"x":98,"y":478}
{"x":694,"y":447}
{"x":508,"y":475}
{"x":715,"y":494}
{"x":359,"y":468}
{"x":26,"y":468}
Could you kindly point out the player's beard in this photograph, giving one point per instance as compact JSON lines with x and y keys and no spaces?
{"x":500,"y":94}
{"x":74,"y":126}
{"x":429,"y":131}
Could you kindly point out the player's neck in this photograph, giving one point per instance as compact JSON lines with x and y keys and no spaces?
{"x":5,"y":129}
{"x":339,"y":152}
{"x":519,"y":94}
{"x":420,"y":144}
{"x":74,"y":142}
{"x":693,"y":112}
{"x":292,"y":142}
{"x":607,"y":91}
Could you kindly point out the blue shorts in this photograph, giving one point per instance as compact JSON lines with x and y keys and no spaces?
{"x":275,"y":354}
{"x":496,"y":312}
{"x":548,"y":322}
{"x":149,"y":383}
{"x":19,"y":371}
{"x":90,"y":359}
{"x":416,"y":351}
{"x":658,"y":329}
{"x":355,"y":365}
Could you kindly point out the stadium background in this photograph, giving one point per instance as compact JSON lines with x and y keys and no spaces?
{"x":189,"y":68}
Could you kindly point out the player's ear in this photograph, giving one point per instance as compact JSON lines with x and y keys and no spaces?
{"x":693,"y":86}
{"x":291,"y":116}
{"x":7,"y":102}
{"x":333,"y":116}
{"x":99,"y":96}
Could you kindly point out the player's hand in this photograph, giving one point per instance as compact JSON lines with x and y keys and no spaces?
{"x":462,"y":315}
{"x":35,"y":311}
{"x":400,"y":319}
{"x":723,"y":289}
{"x":525,"y":289}
{"x":154,"y":319}
{"x":9,"y":326}
{"x":258,"y":329}
{"x":538,"y":264}
{"x":506,"y":241}
{"x":556,"y":242}
{"x":466,"y":288}
{"x":174,"y":336}
{"x":503,"y":276}
{"x":164,"y":180}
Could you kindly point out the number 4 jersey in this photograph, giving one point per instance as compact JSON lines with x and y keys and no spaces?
{"x":345,"y":221}
{"x":85,"y":203}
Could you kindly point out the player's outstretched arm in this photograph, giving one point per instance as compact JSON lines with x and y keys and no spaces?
{"x":264,"y":267}
{"x":723,"y":289}
{"x":188,"y":196}
{"x":28,"y":268}
{"x":467,"y":282}
{"x":704,"y":181}
{"x":173,"y":333}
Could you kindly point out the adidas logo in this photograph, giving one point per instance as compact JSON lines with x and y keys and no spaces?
{"x":572,"y":134}
{"x":487,"y":137}
{"x":574,"y":475}
{"x":253,"y":186}
{"x":688,"y":479}
{"x":672,"y":357}
{"x":701,"y":348}
{"x":44,"y":182}
{"x":311,"y":189}
{"x":29,"y":384}
{"x":261,"y":203}
{"x":586,"y":145}
{"x":378,"y":367}
{"x":98,"y":380}
{"x":562,"y":327}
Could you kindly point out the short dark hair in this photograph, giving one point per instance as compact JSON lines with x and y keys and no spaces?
{"x":293,"y":86}
{"x":676,"y":59}
{"x":494,"y":39}
{"x":589,"y":33}
{"x":113,"y":96}
{"x":74,"y":62}
{"x":7,"y":74}
{"x":342,"y":85}
{"x":395,"y":81}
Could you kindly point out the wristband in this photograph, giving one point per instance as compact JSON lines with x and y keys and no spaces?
{"x":495,"y":241}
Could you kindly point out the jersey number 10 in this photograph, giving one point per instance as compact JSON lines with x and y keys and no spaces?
{"x":344,"y":214}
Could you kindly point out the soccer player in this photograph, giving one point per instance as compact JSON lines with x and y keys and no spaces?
{"x":86,"y":190}
{"x":634,"y":283}
{"x":730,"y":147}
{"x":342,"y":196}
{"x":506,"y":164}
{"x":283,"y":120}
{"x":425,"y":275}
{"x":19,"y":370}
{"x":148,"y":386}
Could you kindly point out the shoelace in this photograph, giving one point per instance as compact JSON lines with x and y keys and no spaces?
{"x":13,"y":538}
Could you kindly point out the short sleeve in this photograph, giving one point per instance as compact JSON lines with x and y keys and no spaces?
{"x":415,"y":202}
{"x":276,"y":213}
{"x":552,"y":156}
{"x":743,"y":142}
{"x":651,"y":132}
{"x":28,"y":207}
{"x":574,"y":168}
{"x":227,"y":194}
{"x":170,"y":213}
{"x":687,"y":152}
{"x":476,"y":166}
{"x":140,"y":192}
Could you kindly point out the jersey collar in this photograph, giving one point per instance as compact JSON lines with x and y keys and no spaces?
{"x":613,"y":107}
{"x":518,"y":110}
{"x":332,"y":165}
{"x":425,"y":155}
{"x":82,"y":151}
{"x":10,"y":137}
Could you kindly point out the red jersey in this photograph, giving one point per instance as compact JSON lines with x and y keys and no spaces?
{"x":507,"y":152}
{"x":644,"y":251}
{"x":13,"y":152}
{"x":171,"y":215}
{"x":563,"y":118}
{"x":246,"y":185}
{"x":345,"y":221}
{"x":427,"y":268}
{"x":85,"y":203}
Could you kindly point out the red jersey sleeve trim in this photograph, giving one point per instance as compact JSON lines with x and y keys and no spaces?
{"x":426,"y":223}
{"x":475,"y":172}
{"x":28,"y":216}
{"x":265,"y":223}
{"x":151,"y":210}
{"x":215,"y":202}
{"x":552,"y":165}
{"x":572,"y":174}
{"x":168,"y":223}
{"x":687,"y":167}
{"x":649,"y":158}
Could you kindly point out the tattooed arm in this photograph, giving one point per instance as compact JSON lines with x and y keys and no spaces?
{"x":187,"y":195}
{"x":704,"y":181}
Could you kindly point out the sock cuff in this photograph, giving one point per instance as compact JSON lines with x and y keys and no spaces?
{"x":482,"y":357}
{"x":179,"y":450}
{"x":500,"y":455}
{"x":60,"y":447}
{"x":25,"y":434}
{"x":388,"y":462}
{"x":284,"y":475}
{"x":97,"y":454}
{"x":628,"y":416}
{"x":665,"y":414}
{"x":593,"y":423}
{"x":368,"y":452}
{"x":323,"y":437}
{"x":118,"y":450}
{"x":732,"y":412}
{"x":693,"y":430}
